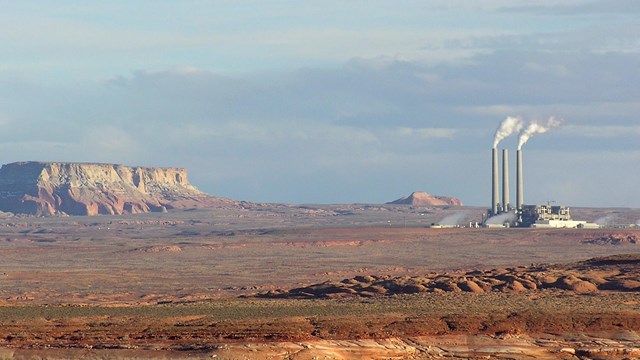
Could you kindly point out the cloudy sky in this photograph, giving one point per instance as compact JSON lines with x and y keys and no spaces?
{"x":330,"y":101}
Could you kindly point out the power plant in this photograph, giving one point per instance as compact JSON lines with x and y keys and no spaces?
{"x":501,"y":213}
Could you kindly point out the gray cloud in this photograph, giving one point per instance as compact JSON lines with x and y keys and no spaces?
{"x":600,"y":37}
{"x":597,"y":7}
{"x":368,"y":131}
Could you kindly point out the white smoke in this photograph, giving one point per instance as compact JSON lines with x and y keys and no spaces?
{"x":508,"y":217}
{"x":536,"y":128}
{"x":453,"y":219}
{"x":509,"y":126}
{"x":606,"y":220}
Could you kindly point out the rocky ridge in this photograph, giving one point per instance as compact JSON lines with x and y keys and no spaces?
{"x":614,"y":273}
{"x":58,"y":188}
{"x":421,"y":198}
{"x":613,"y":239}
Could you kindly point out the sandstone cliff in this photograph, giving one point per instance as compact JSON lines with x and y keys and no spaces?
{"x":420,"y":198}
{"x":51,"y":188}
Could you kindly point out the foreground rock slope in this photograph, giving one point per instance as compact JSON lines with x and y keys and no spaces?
{"x":56,"y":188}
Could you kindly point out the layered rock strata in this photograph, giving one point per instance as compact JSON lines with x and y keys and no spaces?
{"x":53,"y":188}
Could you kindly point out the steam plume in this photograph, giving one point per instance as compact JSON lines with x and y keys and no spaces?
{"x":509,"y":126}
{"x":453,"y":219}
{"x":509,"y":217}
{"x":606,"y":220}
{"x":536,"y":128}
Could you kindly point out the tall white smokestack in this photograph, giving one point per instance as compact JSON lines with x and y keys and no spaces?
{"x":494,"y":182}
{"x":520,"y":184}
{"x":505,"y":180}
{"x":509,"y":126}
{"x":532,"y":129}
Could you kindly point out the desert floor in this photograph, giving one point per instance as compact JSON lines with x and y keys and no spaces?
{"x":189,"y":284}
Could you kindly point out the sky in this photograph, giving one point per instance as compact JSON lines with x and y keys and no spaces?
{"x":330,"y":102}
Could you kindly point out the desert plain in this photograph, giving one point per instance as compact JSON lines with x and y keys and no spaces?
{"x":273,"y":281}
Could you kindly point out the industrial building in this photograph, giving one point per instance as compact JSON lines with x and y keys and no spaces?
{"x":502,"y":214}
{"x":546,"y":216}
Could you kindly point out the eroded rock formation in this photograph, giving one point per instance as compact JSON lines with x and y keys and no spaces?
{"x":420,"y":198}
{"x":613,"y":273}
{"x":52,"y":188}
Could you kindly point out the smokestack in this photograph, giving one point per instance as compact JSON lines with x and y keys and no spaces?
{"x":494,"y":182}
{"x":505,"y":180}
{"x":519,"y":185}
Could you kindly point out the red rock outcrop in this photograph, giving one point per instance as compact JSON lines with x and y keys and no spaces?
{"x":613,"y":273}
{"x":52,"y":188}
{"x":420,"y":198}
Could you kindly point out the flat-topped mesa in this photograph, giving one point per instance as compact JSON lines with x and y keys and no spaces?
{"x":420,"y":198}
{"x":58,"y":188}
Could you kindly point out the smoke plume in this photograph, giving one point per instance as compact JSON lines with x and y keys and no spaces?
{"x":453,"y":219}
{"x":509,"y":126}
{"x":509,"y":217}
{"x":606,"y":220}
{"x":536,"y":128}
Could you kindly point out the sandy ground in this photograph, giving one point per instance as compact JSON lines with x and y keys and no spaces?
{"x":166,"y":286}
{"x":192,"y":255}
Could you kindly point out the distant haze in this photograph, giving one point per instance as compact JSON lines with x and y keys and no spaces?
{"x":332,"y":102}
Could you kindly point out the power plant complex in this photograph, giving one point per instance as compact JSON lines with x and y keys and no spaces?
{"x":502,"y":213}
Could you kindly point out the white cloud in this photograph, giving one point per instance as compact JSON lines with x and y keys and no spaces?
{"x":4,"y":120}
{"x":603,"y":131}
{"x":423,"y":133}
{"x":574,"y":113}
{"x":575,"y":7}
{"x":553,"y":69}
{"x":109,"y":139}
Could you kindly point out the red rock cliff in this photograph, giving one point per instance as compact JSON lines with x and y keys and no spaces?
{"x":420,"y":198}
{"x":51,"y":188}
